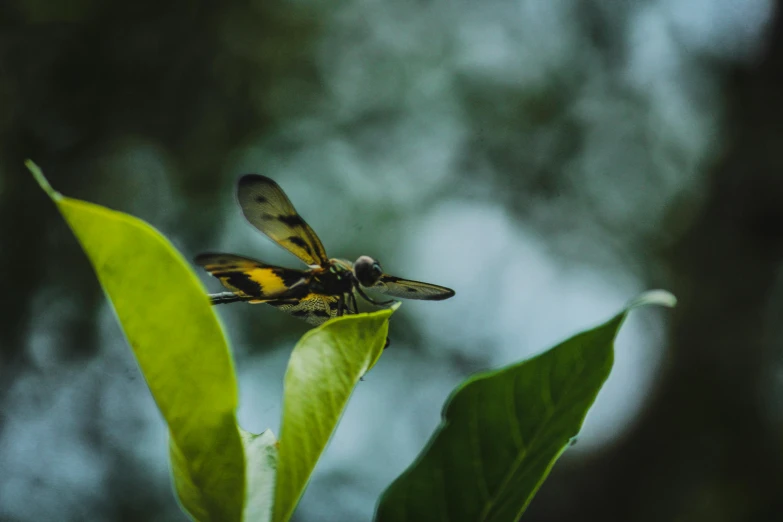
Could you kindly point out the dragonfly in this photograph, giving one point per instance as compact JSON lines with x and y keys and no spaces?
{"x":326,"y":289}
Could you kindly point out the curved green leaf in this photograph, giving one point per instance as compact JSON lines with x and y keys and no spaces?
{"x":261,"y":455}
{"x":179,"y":345}
{"x":324,"y":367}
{"x":502,"y":432}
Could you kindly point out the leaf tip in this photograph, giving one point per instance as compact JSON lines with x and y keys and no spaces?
{"x":41,"y":179}
{"x":654,"y":297}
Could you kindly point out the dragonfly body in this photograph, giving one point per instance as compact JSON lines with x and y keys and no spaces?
{"x":327,"y":289}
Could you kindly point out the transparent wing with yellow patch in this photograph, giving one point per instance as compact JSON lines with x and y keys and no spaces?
{"x":314,"y":308}
{"x":407,"y":289}
{"x":268,"y":209}
{"x":254,"y":281}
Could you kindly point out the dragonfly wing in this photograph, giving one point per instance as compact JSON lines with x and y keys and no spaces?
{"x":253,"y":280}
{"x":407,"y":289}
{"x":314,"y":308}
{"x":267,"y":208}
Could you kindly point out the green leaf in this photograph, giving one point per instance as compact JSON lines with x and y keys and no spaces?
{"x":324,"y":367}
{"x":261,"y":454}
{"x":179,"y":345}
{"x":502,"y":432}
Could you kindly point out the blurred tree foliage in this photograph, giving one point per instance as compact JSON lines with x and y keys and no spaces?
{"x":77,"y":78}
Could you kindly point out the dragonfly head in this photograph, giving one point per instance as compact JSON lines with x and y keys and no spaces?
{"x":367,"y":270}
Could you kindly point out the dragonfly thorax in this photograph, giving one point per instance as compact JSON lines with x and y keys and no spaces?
{"x":337,"y":279}
{"x":367,"y":270}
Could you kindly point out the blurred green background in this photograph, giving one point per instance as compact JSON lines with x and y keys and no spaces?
{"x":546,"y":159}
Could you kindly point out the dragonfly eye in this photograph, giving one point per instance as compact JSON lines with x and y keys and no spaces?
{"x":367,"y":270}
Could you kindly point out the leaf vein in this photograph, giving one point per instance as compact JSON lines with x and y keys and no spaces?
{"x":520,"y":458}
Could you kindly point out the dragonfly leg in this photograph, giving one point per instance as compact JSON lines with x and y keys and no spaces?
{"x":371,"y":300}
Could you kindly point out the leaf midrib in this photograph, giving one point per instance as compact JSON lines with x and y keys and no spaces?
{"x":520,"y":458}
